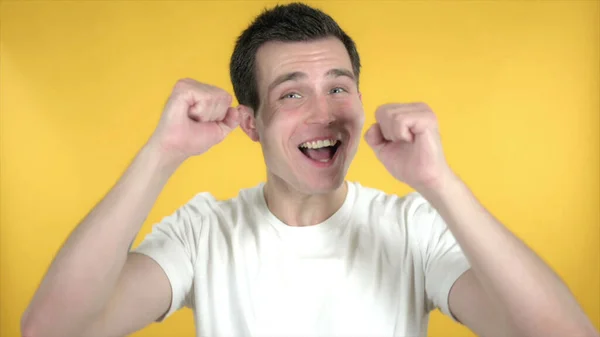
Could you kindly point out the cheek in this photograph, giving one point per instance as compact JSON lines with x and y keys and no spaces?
{"x":278,"y":129}
{"x":293,"y":109}
{"x":352,"y":113}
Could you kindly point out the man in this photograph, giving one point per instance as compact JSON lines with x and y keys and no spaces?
{"x":306,"y":253}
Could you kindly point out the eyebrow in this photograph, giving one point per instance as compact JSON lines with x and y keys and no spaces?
{"x":297,"y":75}
{"x":287,"y":77}
{"x":339,"y":72}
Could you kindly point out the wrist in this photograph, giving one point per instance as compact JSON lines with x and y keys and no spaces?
{"x":443,"y":188}
{"x":163,"y":161}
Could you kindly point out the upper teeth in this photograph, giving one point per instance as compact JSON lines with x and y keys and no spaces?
{"x":317,"y":144}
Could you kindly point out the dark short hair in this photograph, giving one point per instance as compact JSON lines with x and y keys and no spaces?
{"x":293,"y":22}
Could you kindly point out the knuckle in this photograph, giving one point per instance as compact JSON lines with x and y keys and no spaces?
{"x":382,"y":111}
{"x":432,"y":116}
{"x":215,"y":94}
{"x":181,"y":85}
{"x":424,"y":105}
{"x":221,"y":95}
{"x":398,"y":118}
{"x":225,"y":97}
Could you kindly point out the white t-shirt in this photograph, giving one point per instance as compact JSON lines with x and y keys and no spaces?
{"x":377,"y":267}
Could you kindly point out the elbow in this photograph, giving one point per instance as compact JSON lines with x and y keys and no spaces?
{"x":36,"y":324}
{"x":49,"y":322}
{"x":583,"y":331}
{"x":35,"y":319}
{"x":581,"y":327}
{"x":588,"y":330}
{"x":33,"y":325}
{"x":564,"y":328}
{"x":28,"y":326}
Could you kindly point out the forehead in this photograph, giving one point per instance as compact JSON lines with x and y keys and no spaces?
{"x":314,"y":58}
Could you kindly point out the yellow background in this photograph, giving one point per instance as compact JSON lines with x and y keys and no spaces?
{"x":515,"y":85}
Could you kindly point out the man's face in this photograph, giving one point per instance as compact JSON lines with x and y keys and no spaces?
{"x":311,"y":113}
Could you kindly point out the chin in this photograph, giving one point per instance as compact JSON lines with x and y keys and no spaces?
{"x":310,"y":177}
{"x":320,"y":185}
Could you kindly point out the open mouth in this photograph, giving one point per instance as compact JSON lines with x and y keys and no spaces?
{"x":320,"y":150}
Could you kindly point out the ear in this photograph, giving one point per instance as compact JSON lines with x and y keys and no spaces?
{"x":248,"y":122}
{"x":360,"y":96}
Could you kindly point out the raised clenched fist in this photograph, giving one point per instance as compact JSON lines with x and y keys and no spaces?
{"x":407,"y":141}
{"x":196,"y":117}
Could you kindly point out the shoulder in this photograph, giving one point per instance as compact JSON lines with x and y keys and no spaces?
{"x":402,"y":207}
{"x":409,"y":216}
{"x":205,"y":205}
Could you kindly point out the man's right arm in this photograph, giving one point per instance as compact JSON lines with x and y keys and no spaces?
{"x":141,"y":296}
{"x":94,"y":286}
{"x":93,"y":271}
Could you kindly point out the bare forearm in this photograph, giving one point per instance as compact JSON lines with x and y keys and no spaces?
{"x":534,"y":297}
{"x":84,"y":272}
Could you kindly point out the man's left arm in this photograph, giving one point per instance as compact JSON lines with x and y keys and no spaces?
{"x":508,"y":285}
{"x":524,"y":288}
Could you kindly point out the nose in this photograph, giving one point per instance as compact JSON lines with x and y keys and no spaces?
{"x":320,"y":112}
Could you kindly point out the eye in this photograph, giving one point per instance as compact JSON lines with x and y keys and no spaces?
{"x":291,"y":95}
{"x":337,"y":90}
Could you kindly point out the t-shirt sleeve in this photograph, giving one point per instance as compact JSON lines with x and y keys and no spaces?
{"x":443,"y":260}
{"x":172,"y":244}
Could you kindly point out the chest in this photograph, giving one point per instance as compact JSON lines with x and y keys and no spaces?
{"x":322,"y":296}
{"x":352,"y":285}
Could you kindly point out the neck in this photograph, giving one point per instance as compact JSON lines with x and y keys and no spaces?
{"x":295,"y":208}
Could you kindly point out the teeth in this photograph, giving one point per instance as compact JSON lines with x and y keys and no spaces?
{"x":319,"y":144}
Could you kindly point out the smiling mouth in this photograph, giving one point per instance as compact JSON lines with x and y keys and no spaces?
{"x":322,"y":150}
